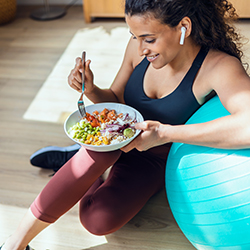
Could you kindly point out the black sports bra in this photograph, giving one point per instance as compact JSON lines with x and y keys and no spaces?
{"x":174,"y":108}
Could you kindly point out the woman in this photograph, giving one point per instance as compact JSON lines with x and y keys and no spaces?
{"x":181,"y":53}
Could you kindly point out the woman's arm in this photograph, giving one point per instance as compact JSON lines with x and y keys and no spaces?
{"x":116,"y":91}
{"x":232,"y":85}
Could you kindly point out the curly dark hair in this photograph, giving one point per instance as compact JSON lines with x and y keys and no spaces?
{"x":211,"y":20}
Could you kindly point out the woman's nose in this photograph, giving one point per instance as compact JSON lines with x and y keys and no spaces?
{"x":142,"y":50}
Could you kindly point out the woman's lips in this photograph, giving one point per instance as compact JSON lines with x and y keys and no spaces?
{"x":152,"y":58}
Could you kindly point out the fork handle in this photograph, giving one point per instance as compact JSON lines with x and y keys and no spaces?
{"x":83,"y":71}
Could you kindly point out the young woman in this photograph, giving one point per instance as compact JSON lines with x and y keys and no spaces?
{"x":181,"y":53}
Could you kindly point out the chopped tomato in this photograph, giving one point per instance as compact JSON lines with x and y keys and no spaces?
{"x":102,"y":117}
{"x":92,"y":120}
{"x":95,"y":123}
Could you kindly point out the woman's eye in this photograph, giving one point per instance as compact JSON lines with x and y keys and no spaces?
{"x":134,"y":37}
{"x":150,"y":41}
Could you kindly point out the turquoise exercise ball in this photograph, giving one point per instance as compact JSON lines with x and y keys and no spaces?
{"x":208,"y":190}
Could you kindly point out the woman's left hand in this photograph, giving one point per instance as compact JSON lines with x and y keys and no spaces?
{"x":151,"y":136}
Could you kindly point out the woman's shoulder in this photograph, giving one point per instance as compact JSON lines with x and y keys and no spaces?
{"x":219,"y":63}
{"x":220,"y":71}
{"x":218,"y":60}
{"x":224,"y":73}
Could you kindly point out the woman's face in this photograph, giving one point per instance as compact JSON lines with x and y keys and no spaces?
{"x":158,"y":42}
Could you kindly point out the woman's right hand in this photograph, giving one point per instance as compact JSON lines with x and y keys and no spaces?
{"x":75,"y":77}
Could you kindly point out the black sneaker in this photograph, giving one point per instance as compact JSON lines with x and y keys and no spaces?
{"x":53,"y":157}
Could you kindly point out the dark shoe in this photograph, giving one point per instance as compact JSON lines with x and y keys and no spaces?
{"x":53,"y":157}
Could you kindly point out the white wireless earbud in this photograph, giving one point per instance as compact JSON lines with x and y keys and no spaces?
{"x":183,"y":32}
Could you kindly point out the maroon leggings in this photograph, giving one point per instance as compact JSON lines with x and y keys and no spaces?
{"x":104,"y":206}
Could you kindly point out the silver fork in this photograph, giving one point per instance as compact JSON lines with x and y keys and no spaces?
{"x":81,"y":106}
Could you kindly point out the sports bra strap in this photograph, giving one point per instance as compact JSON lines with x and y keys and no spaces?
{"x":188,"y":80}
{"x":198,"y":60}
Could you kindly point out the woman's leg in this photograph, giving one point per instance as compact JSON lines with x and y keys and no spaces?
{"x":133,"y":179}
{"x":61,"y":193}
{"x":71,"y":182}
{"x":29,"y":227}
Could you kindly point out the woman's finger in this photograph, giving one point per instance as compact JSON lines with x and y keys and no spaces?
{"x":76,"y":74}
{"x":74,"y":79}
{"x":141,"y":125}
{"x":88,"y":71}
{"x":79,"y":64}
{"x":76,"y":85}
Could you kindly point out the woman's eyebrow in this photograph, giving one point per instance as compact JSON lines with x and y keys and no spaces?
{"x":144,"y":35}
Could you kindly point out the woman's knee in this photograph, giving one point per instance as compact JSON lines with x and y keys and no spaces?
{"x":98,"y":227}
{"x":100,"y":222}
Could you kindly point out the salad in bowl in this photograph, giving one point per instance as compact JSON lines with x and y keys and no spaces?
{"x":106,"y":126}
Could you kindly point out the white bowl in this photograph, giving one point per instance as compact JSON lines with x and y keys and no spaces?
{"x":119,"y":108}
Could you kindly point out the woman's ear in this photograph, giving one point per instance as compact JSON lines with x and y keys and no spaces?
{"x":185,"y":26}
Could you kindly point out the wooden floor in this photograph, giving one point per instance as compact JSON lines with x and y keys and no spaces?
{"x":28,"y":52}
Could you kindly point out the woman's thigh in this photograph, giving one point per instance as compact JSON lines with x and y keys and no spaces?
{"x":133,"y":179}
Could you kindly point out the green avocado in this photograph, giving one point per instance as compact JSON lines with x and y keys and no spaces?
{"x":128,"y":132}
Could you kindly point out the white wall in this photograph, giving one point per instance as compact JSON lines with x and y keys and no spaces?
{"x":51,"y":2}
